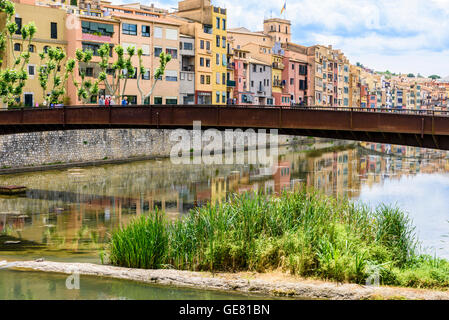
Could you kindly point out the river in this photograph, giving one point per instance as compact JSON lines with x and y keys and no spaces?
{"x":67,"y":215}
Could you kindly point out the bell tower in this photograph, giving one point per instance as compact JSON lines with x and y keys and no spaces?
{"x":278,"y":29}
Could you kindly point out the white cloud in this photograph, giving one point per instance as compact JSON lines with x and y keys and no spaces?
{"x":399,"y":35}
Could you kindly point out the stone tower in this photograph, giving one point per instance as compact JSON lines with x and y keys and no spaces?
{"x":278,"y":29}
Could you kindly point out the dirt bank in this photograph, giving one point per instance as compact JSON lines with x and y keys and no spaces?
{"x":279,"y":284}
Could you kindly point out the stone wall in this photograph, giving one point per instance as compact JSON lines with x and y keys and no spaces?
{"x":77,"y":146}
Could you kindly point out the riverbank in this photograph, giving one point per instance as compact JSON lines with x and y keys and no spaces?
{"x":271,"y":284}
{"x":303,"y":233}
{"x":38,"y":151}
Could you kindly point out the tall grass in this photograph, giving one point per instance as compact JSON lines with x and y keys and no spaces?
{"x":305,"y":233}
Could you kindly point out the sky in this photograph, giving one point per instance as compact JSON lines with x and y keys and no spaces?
{"x":408,"y":36}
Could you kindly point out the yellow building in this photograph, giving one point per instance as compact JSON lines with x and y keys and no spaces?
{"x":276,"y":73}
{"x":354,"y":86}
{"x":213,"y":21}
{"x":50,"y":33}
{"x":219,"y":53}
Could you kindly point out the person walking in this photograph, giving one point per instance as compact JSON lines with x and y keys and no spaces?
{"x":125,"y":101}
{"x":101,"y":101}
{"x":107,"y":102}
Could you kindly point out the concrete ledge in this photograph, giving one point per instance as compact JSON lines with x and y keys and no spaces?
{"x":273,"y":284}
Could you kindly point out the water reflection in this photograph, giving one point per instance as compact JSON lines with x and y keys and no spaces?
{"x":20,"y":285}
{"x":68,"y":214}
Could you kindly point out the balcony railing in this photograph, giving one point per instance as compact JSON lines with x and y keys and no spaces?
{"x":278,"y":65}
{"x":279,"y":83}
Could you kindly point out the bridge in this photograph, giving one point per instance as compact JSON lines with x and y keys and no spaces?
{"x":418,"y":128}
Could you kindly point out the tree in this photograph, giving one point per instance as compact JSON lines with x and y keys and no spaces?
{"x":121,"y":68}
{"x":434,"y":77}
{"x":13,"y":78}
{"x":51,"y":75}
{"x":86,"y":88}
{"x":160,"y":71}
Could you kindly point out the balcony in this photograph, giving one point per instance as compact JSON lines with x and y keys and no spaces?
{"x":96,"y":37}
{"x":231,"y":66}
{"x":230,"y":83}
{"x":279,"y":83}
{"x":188,"y":68}
{"x":278,"y":65}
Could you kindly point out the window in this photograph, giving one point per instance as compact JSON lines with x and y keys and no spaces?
{"x":157,"y":51}
{"x":145,"y":31}
{"x":207,"y":79}
{"x":129,"y":29}
{"x":208,"y":63}
{"x":293,"y":66}
{"x":53,"y":30}
{"x":223,"y":78}
{"x":158,"y":32}
{"x":223,"y":42}
{"x":217,"y":78}
{"x":94,"y":47}
{"x":207,"y":45}
{"x":146,"y":75}
{"x":171,"y":34}
{"x":31,"y":70}
{"x":188,"y":46}
{"x":171,"y":75}
{"x":17,"y":47}
{"x":201,"y":62}
{"x":46,"y":49}
{"x":217,"y":25}
{"x":291,"y":81}
{"x":157,"y":100}
{"x":19,"y":25}
{"x":223,"y":97}
{"x":202,"y":79}
{"x":217,"y":59}
{"x":173,"y":52}
{"x":302,"y":85}
{"x":224,"y":62}
{"x":146,"y":49}
{"x":97,"y":28}
{"x":254,"y":68}
{"x":201,"y":44}
{"x":32,"y":48}
{"x":171,"y":100}
{"x":89,"y":72}
{"x":217,"y":97}
{"x":224,"y":24}
{"x":302,"y":69}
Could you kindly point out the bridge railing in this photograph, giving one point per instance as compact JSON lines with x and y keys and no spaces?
{"x":444,"y":113}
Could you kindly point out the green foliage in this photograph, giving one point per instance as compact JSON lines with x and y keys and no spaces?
{"x":303,"y":233}
{"x":13,"y":77}
{"x":434,"y":77}
{"x":51,"y":75}
{"x":87,"y":87}
{"x":121,"y":68}
{"x":160,"y":71}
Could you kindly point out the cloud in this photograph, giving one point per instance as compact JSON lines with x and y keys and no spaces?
{"x":411,"y":31}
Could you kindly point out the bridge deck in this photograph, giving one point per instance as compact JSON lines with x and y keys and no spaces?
{"x":418,"y":128}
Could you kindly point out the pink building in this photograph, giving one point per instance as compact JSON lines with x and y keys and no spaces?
{"x":295,"y":75}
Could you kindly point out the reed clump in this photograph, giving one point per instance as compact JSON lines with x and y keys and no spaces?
{"x":304,"y":233}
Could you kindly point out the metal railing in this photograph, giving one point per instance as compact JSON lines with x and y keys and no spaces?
{"x":420,"y":112}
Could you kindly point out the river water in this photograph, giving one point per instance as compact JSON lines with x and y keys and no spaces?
{"x":67,"y":215}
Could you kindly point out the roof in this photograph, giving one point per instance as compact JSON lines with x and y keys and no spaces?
{"x":256,"y":61}
{"x":246,"y":31}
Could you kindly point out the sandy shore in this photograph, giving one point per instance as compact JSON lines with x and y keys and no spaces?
{"x":274,"y":284}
